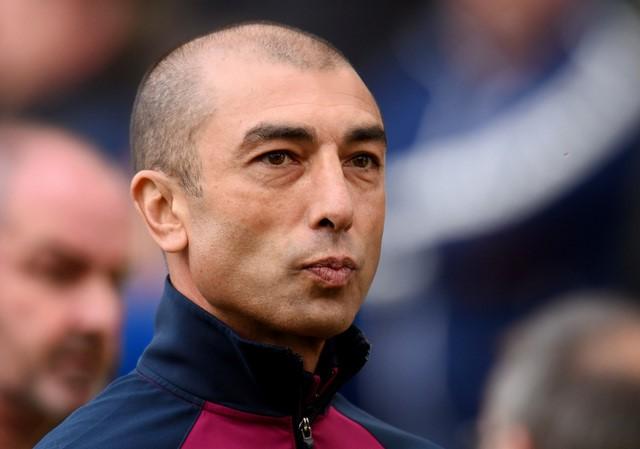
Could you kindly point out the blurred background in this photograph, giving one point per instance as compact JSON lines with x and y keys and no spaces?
{"x":513,"y":163}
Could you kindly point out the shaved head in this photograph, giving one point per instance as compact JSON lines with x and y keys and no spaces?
{"x":179,"y":93}
{"x":51,"y":152}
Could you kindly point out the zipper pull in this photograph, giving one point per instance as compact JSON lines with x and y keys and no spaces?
{"x":305,"y":430}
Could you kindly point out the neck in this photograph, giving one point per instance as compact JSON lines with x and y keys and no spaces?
{"x":21,"y":427}
{"x":308,"y":348}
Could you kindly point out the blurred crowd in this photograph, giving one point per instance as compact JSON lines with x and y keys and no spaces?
{"x":512,"y":177}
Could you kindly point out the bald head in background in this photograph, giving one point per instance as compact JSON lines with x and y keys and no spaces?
{"x":64,"y":228}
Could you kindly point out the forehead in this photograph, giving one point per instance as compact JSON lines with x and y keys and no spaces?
{"x":246,"y":92}
{"x":71,"y":202}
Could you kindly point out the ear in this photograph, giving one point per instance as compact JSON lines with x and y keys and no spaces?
{"x":162,"y":205}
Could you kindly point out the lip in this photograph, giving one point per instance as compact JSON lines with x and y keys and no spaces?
{"x":332,"y":271}
{"x":78,"y":362}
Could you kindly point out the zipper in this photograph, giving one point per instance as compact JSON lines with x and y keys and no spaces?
{"x":304,"y":427}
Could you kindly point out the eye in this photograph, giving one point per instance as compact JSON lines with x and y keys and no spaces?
{"x":276,"y":158}
{"x":118,"y":277}
{"x":58,"y":272}
{"x":363,"y":161}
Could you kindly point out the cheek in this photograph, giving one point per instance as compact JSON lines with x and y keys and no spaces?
{"x":31,"y":308}
{"x":42,"y":323}
{"x":30,"y":330}
{"x":371,"y":219}
{"x":34,"y":319}
{"x":218,"y":250}
{"x":237,"y":228}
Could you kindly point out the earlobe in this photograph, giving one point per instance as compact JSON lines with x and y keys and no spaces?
{"x":159,"y":201}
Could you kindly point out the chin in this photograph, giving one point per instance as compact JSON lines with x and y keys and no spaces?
{"x":325,"y":326}
{"x":333,"y":310}
{"x":59,"y":407}
{"x":58,"y":399}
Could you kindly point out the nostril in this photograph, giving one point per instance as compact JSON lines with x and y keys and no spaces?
{"x":325,"y":222}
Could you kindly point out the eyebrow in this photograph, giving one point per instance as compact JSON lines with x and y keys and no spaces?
{"x":265,"y":132}
{"x":76,"y":259}
{"x":52,"y":248}
{"x":51,"y":251}
{"x":374,"y":133}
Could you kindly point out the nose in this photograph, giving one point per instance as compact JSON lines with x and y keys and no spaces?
{"x":98,"y":307}
{"x":331,"y":203}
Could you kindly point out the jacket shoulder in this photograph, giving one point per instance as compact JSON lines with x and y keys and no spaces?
{"x":132,"y":412}
{"x":386,"y":434}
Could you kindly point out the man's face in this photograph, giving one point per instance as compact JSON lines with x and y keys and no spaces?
{"x":286,"y":237}
{"x":62,"y":253}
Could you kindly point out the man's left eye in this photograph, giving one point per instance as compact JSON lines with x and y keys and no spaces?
{"x":363,"y":161}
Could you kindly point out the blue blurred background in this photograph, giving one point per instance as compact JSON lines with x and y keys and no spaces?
{"x":513,"y":164}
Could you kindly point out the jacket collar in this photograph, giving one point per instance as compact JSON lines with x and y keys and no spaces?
{"x":197,"y":353}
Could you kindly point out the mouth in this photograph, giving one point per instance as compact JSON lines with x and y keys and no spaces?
{"x":78,"y":363}
{"x":332,"y":272}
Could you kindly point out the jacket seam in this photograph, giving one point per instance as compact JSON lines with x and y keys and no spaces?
{"x":360,"y":425}
{"x":157,"y":380}
{"x":190,"y":429}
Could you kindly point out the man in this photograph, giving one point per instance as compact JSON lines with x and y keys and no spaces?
{"x":570,"y":378}
{"x":260,"y":158}
{"x":63,"y":225}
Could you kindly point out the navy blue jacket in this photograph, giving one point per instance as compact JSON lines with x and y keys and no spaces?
{"x":198,"y":385}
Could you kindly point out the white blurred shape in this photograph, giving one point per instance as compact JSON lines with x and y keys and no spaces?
{"x":474,"y":182}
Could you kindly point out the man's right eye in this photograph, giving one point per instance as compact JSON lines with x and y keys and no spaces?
{"x":276,"y":158}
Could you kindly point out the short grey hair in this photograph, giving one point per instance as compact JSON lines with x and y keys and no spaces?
{"x":541,"y":383}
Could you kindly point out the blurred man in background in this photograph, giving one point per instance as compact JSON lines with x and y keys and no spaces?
{"x":64,"y":223}
{"x":570,"y":378}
